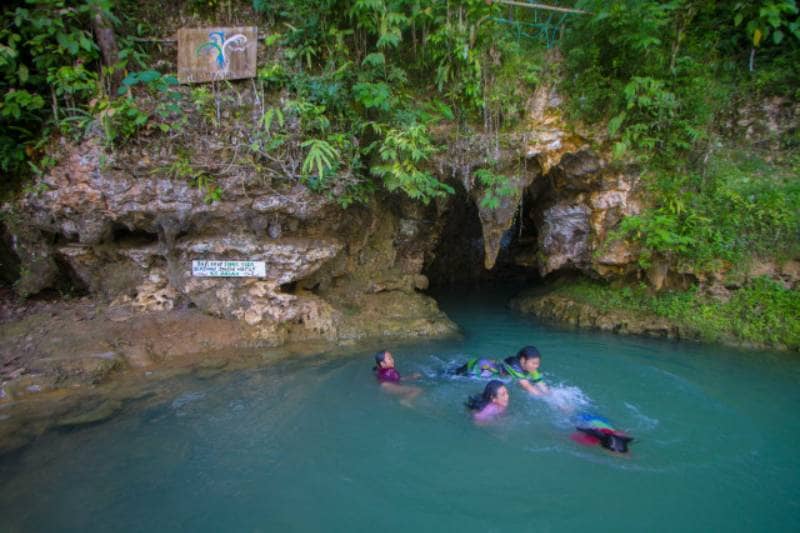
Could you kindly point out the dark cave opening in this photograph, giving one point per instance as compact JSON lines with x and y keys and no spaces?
{"x":9,"y":262}
{"x":459,"y":255}
{"x":67,"y":282}
{"x":289,"y":288}
{"x":124,"y":236}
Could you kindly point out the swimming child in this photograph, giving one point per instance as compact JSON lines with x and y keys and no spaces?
{"x":594,"y":430}
{"x":389,"y":377}
{"x":490,"y":404}
{"x":524,"y":367}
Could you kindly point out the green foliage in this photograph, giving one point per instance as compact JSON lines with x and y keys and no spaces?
{"x":18,"y":104}
{"x":122,"y":118}
{"x":495,"y":188}
{"x":659,"y":71}
{"x":152,"y":79}
{"x":269,"y":115}
{"x":645,"y":69}
{"x":355,"y":71}
{"x":458,"y":49}
{"x":183,"y":169}
{"x":321,"y":157}
{"x":741,"y":208}
{"x":373,"y":95}
{"x":46,"y":53}
{"x":768,"y":18}
{"x":203,"y":102}
{"x":653,"y":119}
{"x":273,"y":75}
{"x":402,"y":153}
{"x":761,"y":312}
{"x":509,"y":82}
{"x":73,"y":82}
{"x":208,"y":188}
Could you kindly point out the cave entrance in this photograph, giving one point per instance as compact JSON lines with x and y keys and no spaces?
{"x":9,"y":262}
{"x":459,"y":255}
{"x":126,"y":237}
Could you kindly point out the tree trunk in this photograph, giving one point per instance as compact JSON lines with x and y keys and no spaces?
{"x":104,"y":34}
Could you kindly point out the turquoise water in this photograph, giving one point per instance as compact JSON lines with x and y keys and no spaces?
{"x":314,"y":444}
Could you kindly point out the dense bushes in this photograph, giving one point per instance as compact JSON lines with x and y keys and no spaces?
{"x":367,"y":79}
{"x":761,"y":312}
{"x":384,"y":72}
{"x":661,"y":74}
{"x":47,"y":73}
{"x":740,"y":207}
{"x":362,"y":83}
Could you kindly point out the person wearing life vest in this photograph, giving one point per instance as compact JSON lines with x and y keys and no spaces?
{"x":523,"y":367}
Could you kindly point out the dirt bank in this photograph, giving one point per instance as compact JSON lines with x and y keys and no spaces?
{"x":68,"y":362}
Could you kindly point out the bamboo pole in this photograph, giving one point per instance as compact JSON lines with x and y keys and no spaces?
{"x":543,"y":6}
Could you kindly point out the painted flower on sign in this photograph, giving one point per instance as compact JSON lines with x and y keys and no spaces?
{"x":220,"y":48}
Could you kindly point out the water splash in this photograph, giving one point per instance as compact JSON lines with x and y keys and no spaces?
{"x":566,"y":399}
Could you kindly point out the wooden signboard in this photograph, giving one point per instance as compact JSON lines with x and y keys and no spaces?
{"x":213,"y":54}
{"x":229,"y":269}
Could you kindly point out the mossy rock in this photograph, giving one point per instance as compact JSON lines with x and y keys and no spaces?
{"x":100,"y":413}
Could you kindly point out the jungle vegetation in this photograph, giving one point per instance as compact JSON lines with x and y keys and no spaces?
{"x":365,"y":83}
{"x":368,"y":79}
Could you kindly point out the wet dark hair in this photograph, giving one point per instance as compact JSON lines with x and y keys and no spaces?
{"x":529,"y":352}
{"x":479,"y":401}
{"x":610,"y":441}
{"x":616,"y":443}
{"x":379,"y":357}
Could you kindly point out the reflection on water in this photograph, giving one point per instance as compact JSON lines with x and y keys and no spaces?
{"x":314,"y":444}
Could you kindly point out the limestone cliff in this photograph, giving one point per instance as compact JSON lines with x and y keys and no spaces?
{"x":124,"y":224}
{"x":127,"y":233}
{"x":564,"y":198}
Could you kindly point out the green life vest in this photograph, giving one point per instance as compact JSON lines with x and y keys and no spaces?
{"x":473,"y":368}
{"x":518,"y":373}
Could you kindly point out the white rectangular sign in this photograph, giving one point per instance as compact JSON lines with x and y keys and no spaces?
{"x":229,"y":269}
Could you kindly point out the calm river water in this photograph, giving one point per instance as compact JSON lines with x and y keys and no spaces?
{"x":313,"y":444}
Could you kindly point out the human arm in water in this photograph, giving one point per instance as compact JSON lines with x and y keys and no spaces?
{"x":536,"y":389}
{"x":407,"y":393}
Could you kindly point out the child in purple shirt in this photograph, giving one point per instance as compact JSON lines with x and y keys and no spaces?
{"x":389,"y":377}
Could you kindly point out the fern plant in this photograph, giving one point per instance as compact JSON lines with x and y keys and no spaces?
{"x":402,"y":152}
{"x":321,"y":157}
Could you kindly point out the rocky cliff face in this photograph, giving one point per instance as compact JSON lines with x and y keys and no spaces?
{"x":129,"y":237}
{"x":564,"y":198}
{"x":119,"y":225}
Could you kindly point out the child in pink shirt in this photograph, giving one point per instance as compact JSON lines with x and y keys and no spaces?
{"x":492,"y":403}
